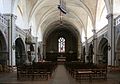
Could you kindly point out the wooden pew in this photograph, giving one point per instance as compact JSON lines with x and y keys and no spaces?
{"x":36,"y":71}
{"x":86,"y":71}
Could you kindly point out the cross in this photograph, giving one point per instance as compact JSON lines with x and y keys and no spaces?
{"x":62,"y":9}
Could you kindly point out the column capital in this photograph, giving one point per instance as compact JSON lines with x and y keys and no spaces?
{"x":94,"y":30}
{"x":11,"y":15}
{"x":109,"y":16}
{"x":85,"y":37}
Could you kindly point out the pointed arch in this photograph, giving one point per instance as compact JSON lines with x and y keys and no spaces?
{"x":118,"y":51}
{"x":3,"y":50}
{"x":103,"y":51}
{"x":20,"y":51}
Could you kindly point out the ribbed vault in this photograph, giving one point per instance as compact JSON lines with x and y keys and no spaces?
{"x":41,"y":13}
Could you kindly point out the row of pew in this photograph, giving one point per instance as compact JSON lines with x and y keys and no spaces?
{"x":87,"y":71}
{"x":5,"y":68}
{"x":36,"y":71}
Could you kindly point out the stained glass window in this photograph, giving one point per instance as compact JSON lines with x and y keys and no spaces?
{"x":61,"y":45}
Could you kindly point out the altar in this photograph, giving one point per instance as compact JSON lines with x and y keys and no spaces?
{"x":61,"y":59}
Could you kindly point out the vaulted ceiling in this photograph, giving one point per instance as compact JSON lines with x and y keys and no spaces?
{"x":43,"y":13}
{"x":78,"y":11}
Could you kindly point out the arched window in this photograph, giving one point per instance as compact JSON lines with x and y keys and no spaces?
{"x":61,"y":45}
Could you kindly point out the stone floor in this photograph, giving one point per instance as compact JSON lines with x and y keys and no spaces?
{"x":60,"y":76}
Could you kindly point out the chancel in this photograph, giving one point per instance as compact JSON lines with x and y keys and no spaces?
{"x":60,"y":41}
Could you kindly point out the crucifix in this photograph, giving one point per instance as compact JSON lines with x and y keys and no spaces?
{"x":62,"y":8}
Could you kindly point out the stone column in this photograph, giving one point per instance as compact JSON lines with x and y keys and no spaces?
{"x":41,"y":50}
{"x":86,"y":49}
{"x":79,"y":49}
{"x":36,"y":49}
{"x":44,"y":51}
{"x":111,"y":50}
{"x":12,"y":38}
{"x":27,"y":49}
{"x":94,"y":46}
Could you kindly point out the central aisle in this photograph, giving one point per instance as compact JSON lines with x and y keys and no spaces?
{"x":60,"y":76}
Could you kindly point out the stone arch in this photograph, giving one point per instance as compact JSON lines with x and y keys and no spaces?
{"x":20,"y":51}
{"x":53,"y":26}
{"x":102,"y":56}
{"x":118,"y":51}
{"x":51,"y":36}
{"x":3,"y":50}
{"x":90,"y":54}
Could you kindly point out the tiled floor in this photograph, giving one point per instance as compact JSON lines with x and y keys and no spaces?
{"x":60,"y":76}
